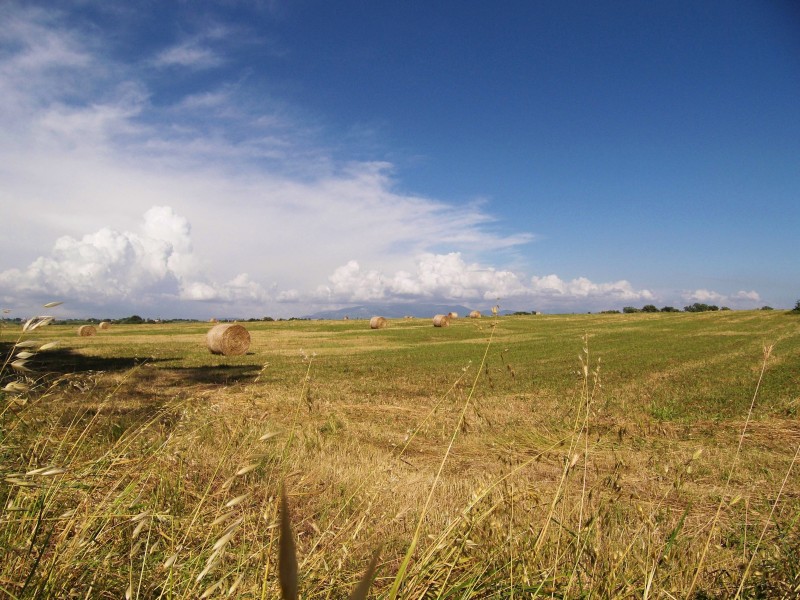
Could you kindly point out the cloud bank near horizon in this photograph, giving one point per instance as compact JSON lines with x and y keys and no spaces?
{"x":156,"y":270}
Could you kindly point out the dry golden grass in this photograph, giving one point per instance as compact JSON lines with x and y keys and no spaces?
{"x":545,"y":470}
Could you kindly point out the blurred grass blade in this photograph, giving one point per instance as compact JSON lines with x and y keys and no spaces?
{"x":246,"y":469}
{"x":16,"y":386}
{"x":287,"y":554}
{"x":53,"y":304}
{"x":19,"y":365}
{"x":237,"y":500}
{"x":26,"y":344}
{"x":360,"y":593}
{"x":36,"y":322}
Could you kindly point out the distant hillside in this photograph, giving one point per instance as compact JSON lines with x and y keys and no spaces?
{"x":392,"y":311}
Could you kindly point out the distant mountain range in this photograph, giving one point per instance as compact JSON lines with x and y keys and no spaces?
{"x":394,"y":311}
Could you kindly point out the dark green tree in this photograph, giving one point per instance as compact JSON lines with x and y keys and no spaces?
{"x":132,"y":320}
{"x":700,"y":307}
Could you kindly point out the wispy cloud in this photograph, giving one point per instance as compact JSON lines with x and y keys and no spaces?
{"x":190,"y":54}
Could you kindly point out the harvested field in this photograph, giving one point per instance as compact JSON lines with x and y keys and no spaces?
{"x":567,"y":456}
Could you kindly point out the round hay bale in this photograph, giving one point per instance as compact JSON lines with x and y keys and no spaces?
{"x":441,"y":321}
{"x":378,"y":323}
{"x":86,"y":330}
{"x":104,"y":325}
{"x":452,"y":315}
{"x":475,"y":314}
{"x":229,"y":339}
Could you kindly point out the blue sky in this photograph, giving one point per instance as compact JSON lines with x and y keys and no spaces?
{"x":277,"y":158}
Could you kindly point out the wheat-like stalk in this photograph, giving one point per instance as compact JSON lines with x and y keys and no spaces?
{"x":712,"y":528}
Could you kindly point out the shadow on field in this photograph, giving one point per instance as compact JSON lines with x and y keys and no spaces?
{"x":67,"y":361}
{"x":221,"y":374}
{"x":64,"y":361}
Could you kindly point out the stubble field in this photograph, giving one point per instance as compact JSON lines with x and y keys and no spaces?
{"x":607,"y":456}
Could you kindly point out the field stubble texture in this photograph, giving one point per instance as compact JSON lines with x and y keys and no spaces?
{"x":610,"y":456}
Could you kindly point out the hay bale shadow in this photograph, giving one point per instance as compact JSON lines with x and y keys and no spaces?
{"x":219,"y":374}
{"x":63,"y":361}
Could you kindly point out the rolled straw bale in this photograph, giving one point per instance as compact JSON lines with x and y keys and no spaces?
{"x":475,"y":314}
{"x":229,"y":339}
{"x":441,"y":321}
{"x":104,"y":325}
{"x":377,"y":323}
{"x":452,"y":315}
{"x":86,"y":330}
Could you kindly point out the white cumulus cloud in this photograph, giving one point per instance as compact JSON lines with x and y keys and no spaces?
{"x":437,"y":277}
{"x":148,"y":266}
{"x":448,"y":277}
{"x":704,"y":296}
{"x":752,"y":295}
{"x":552,"y":286}
{"x":742,"y":299}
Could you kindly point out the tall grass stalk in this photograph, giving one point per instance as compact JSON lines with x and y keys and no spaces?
{"x":587,"y":396}
{"x":401,"y":573}
{"x":766,"y":525}
{"x":734,"y":461}
{"x":284,"y":453}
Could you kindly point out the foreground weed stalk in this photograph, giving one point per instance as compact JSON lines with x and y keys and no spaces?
{"x":699,"y":570}
{"x":400,"y":577}
{"x":587,"y":397}
{"x":284,"y":453}
{"x":766,"y":525}
{"x":287,"y":560}
{"x":19,"y":356}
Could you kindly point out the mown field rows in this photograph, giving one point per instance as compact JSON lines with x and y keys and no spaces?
{"x":608,"y":456}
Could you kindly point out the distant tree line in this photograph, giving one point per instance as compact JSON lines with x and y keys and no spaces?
{"x":700,"y":307}
{"x":651,"y":308}
{"x":692,"y":308}
{"x":647,"y":308}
